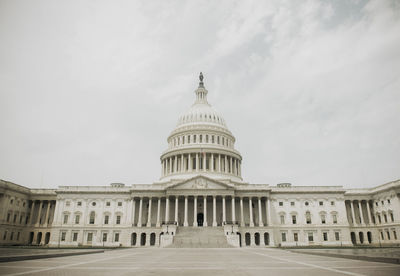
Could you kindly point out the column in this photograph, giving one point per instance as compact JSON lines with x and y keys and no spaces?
{"x":175,"y":163}
{"x":225,"y":164}
{"x":197,"y":162}
{"x":212,"y":162}
{"x":233,"y":210}
{"x":234,"y":168}
{"x":240,"y":168}
{"x":369,"y":213}
{"x":139,"y":223}
{"x":214,"y":211}
{"x":251,"y":212}
{"x":158,"y":224}
{"x":162,"y":167}
{"x":47,"y":213}
{"x":185,"y":222}
{"x":32,"y":209}
{"x":260,"y":221}
{"x":40,"y":212}
{"x":195,"y":212}
{"x":361,"y":212}
{"x":219,"y":162}
{"x":230,"y":165}
{"x":241,"y":212}
{"x":166,"y":209}
{"x":204,"y":161}
{"x":176,"y":209}
{"x":223,"y":210}
{"x":133,"y":211}
{"x":189,"y":163}
{"x":205,"y":211}
{"x":269,"y":213}
{"x":170,"y":165}
{"x":353,"y":211}
{"x":149,"y":213}
{"x":182,"y":163}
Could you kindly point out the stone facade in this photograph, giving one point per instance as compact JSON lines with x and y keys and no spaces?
{"x":200,"y":187}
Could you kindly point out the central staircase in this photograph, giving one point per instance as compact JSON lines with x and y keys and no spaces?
{"x":200,"y":237}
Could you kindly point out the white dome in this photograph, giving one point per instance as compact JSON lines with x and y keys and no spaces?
{"x":201,"y":113}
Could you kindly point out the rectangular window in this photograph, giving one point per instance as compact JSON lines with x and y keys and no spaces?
{"x":5,"y":235}
{"x":382,"y":236}
{"x":280,"y":203}
{"x":337,"y":236}
{"x":385,"y":217}
{"x":389,"y":201}
{"x":89,"y":237}
{"x":292,"y":203}
{"x":282,"y":219}
{"x":334,"y":217}
{"x":68,"y":203}
{"x":379,"y":219}
{"x":295,"y":237}
{"x":321,"y":203}
{"x":15,"y":219}
{"x":65,"y":219}
{"x":394,"y":235}
{"x":325,"y":236}
{"x":106,"y":219}
{"x":20,"y":220}
{"x":104,"y":237}
{"x":392,"y":217}
{"x":79,"y":203}
{"x":108,"y":203}
{"x":119,"y":203}
{"x":8,"y":217}
{"x":63,"y":235}
{"x":116,"y":237}
{"x":77,"y":219}
{"x":308,"y":218}
{"x":332,"y":203}
{"x":75,"y":237}
{"x":283,"y":237}
{"x":310,"y":236}
{"x":294,"y":219}
{"x":323,"y":219}
{"x":118,"y":220}
{"x":12,"y":236}
{"x":19,"y":233}
{"x":387,"y":233}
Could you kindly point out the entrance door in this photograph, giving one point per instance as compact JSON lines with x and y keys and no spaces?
{"x":200,"y":219}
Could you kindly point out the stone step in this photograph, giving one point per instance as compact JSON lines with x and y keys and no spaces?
{"x":200,"y":237}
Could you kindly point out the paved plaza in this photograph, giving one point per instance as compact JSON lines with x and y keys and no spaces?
{"x":207,"y":261}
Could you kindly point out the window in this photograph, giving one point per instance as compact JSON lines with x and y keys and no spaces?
{"x":323,"y":219}
{"x":75,"y":237}
{"x":194,"y":138}
{"x":379,"y":219}
{"x":15,"y":218}
{"x":79,"y":203}
{"x":11,"y":201}
{"x":201,"y":139}
{"x":332,"y":203}
{"x":321,"y":203}
{"x":212,"y":139}
{"x":306,"y":203}
{"x":218,"y":140}
{"x":20,"y":219}
{"x":65,"y":219}
{"x":106,"y":218}
{"x":104,"y":237}
{"x":282,"y":219}
{"x":310,"y":236}
{"x":292,"y":203}
{"x":118,"y":220}
{"x":89,"y":237}
{"x":12,"y":236}
{"x":206,"y":138}
{"x":5,"y":235}
{"x":188,"y":139}
{"x":294,"y":219}
{"x":93,"y":203}
{"x":91,"y":218}
{"x":337,"y":236}
{"x":19,"y":233}
{"x":23,"y":204}
{"x":283,"y":237}
{"x":295,"y":237}
{"x":334,"y":218}
{"x":77,"y":219}
{"x":394,"y":235}
{"x":376,"y":203}
{"x":8,"y":217}
{"x":382,"y":202}
{"x":308,"y":218}
{"x":119,"y":203}
{"x":325,"y":236}
{"x":68,"y":203}
{"x":116,"y":237}
{"x":389,"y":201}
{"x":280,"y":203}
{"x":392,"y":217}
{"x":108,"y":203}
{"x":385,"y":216}
{"x":387,"y":233}
{"x":382,"y":236}
{"x":63,"y":235}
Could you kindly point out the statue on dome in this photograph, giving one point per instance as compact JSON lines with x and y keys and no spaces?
{"x":201,"y":84}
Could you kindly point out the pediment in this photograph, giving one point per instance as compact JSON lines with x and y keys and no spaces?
{"x":200,"y":183}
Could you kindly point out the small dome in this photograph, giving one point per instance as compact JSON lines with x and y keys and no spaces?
{"x":201,"y":113}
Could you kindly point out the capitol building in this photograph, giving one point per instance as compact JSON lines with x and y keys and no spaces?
{"x":200,"y":200}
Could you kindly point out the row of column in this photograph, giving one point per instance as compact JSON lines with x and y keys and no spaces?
{"x":214,"y":211}
{"x":201,"y":162}
{"x":358,"y":217}
{"x":36,"y":221}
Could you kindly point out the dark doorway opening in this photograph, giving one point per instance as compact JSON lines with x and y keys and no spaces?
{"x":266,"y":238}
{"x":240,"y":238}
{"x":39,"y":238}
{"x":257,"y":238}
{"x":369,"y":236}
{"x":133,"y":239}
{"x":47,"y":238}
{"x":200,"y":219}
{"x":152,"y":239}
{"x":143,"y":239}
{"x":31,"y":235}
{"x":361,"y":235}
{"x":353,"y":237}
{"x":247,"y":239}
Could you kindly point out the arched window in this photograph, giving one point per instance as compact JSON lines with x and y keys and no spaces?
{"x":206,"y":138}
{"x":212,"y":139}
{"x":200,"y":138}
{"x":218,"y":140}
{"x":308,"y":217}
{"x":188,"y":139}
{"x":92,"y":217}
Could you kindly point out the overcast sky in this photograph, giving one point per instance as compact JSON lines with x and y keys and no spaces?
{"x":90,"y":90}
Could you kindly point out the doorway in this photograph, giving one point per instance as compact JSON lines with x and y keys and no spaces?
{"x":200,"y":219}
